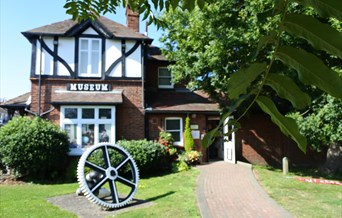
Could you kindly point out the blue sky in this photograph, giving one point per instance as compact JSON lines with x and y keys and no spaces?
{"x":15,"y":56}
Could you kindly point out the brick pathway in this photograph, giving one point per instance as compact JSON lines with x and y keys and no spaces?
{"x":231,"y":190}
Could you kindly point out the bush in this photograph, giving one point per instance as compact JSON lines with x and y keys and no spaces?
{"x":34,"y":148}
{"x":188,"y":139}
{"x":186,"y":160}
{"x":149,"y":156}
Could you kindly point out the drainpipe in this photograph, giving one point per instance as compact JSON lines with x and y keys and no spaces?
{"x":40,"y":74}
{"x":143,"y":74}
{"x":143,"y":87}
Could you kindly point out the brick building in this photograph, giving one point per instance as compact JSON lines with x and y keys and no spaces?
{"x":102,"y":81}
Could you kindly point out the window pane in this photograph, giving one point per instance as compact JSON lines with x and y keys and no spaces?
{"x":70,"y":113}
{"x":71,"y":130}
{"x":104,"y":132}
{"x":88,"y":113}
{"x":96,"y":45}
{"x":175,"y":136}
{"x":84,"y":62}
{"x":87,"y":134}
{"x":105,"y":113}
{"x":84,"y":44}
{"x":172,"y":124}
{"x":165,"y":81}
{"x":95,"y":62}
{"x":164,"y":72}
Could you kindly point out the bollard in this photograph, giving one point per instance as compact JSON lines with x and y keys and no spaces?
{"x":285,"y":165}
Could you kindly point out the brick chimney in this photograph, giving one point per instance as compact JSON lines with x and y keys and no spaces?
{"x":132,"y":19}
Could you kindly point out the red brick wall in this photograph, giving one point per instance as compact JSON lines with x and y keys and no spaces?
{"x":129,"y":115}
{"x":132,"y":19}
{"x":261,"y":142}
{"x":152,"y":74}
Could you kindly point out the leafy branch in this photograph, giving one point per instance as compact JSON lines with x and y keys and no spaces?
{"x":311,"y":70}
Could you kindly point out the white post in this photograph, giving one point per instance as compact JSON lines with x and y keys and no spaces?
{"x":285,"y":165}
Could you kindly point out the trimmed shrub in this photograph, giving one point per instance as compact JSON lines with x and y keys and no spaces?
{"x":149,"y":156}
{"x":188,"y":139}
{"x":34,"y":148}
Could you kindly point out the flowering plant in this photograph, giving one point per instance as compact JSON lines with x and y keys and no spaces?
{"x":193,"y":157}
{"x":165,"y":138}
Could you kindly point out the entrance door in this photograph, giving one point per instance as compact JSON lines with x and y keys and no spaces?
{"x":229,"y":144}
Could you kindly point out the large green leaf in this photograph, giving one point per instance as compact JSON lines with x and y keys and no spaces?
{"x":319,"y":35}
{"x":288,"y":89}
{"x":287,"y":125}
{"x":209,"y":138}
{"x":241,"y":80}
{"x":325,"y":8}
{"x":311,"y":70}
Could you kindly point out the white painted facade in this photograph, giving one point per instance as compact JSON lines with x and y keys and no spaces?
{"x":46,"y":68}
{"x":66,"y":51}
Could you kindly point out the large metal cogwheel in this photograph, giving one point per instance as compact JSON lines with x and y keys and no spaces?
{"x":108,"y":175}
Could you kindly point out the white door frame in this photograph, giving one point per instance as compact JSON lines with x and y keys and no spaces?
{"x":229,"y":143}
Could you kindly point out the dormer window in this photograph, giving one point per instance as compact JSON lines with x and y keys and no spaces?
{"x":89,"y":58}
{"x":164,"y":78}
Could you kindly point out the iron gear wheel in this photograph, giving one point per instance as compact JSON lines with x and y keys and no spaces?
{"x":108,"y":175}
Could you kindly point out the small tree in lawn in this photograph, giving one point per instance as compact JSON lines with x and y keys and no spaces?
{"x":188,"y":139}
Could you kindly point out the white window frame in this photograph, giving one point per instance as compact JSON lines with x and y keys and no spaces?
{"x":165,"y":77}
{"x":89,"y":61}
{"x":178,"y":143}
{"x":96,"y":121}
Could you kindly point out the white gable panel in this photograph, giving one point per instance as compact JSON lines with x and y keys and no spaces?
{"x":133,"y":62}
{"x":46,"y":68}
{"x":66,"y":50}
{"x":90,"y":31}
{"x":113,"y":52}
{"x":116,"y":72}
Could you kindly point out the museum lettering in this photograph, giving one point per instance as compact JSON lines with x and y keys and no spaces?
{"x":89,"y":87}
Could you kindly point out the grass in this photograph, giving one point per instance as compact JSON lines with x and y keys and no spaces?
{"x":301,"y":199}
{"x":173,"y":196}
{"x":30,"y":200}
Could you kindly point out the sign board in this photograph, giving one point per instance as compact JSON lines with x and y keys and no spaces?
{"x":195,"y":134}
{"x":92,"y":87}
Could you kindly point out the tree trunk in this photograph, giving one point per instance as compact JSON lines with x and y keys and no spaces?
{"x":333,"y":163}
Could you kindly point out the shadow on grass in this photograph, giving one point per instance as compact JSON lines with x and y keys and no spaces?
{"x":160,"y":196}
{"x":308,"y":172}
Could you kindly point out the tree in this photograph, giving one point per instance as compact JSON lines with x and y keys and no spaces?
{"x":188,"y":139}
{"x":252,"y":81}
{"x":322,"y":126}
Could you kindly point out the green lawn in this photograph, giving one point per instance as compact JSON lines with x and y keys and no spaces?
{"x":30,"y":200}
{"x":174,"y":196}
{"x":166,"y":191}
{"x":301,"y":199}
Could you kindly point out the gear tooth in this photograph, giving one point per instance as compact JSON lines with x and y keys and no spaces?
{"x":84,"y":185}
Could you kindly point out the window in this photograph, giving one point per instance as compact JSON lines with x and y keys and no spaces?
{"x":87,"y":126}
{"x":174,"y":125}
{"x":164,"y":78}
{"x":90,"y":58}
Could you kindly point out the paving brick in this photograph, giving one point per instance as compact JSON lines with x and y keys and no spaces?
{"x":231,"y":190}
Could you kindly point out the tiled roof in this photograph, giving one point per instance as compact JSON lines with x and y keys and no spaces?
{"x":67,"y":27}
{"x":154,"y":53}
{"x":68,"y":98}
{"x":20,"y":101}
{"x":180,"y":101}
